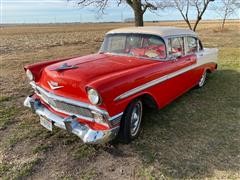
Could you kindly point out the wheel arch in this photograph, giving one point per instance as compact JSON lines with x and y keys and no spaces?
{"x":211,"y":68}
{"x":147,"y":99}
{"x":208,"y":70}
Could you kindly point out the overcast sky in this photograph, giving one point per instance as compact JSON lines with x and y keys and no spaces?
{"x":51,"y":11}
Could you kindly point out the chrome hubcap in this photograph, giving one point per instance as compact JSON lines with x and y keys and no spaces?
{"x":136,"y":118}
{"x":202,"y":80}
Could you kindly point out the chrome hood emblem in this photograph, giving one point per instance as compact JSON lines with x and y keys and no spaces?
{"x":54,"y":85}
{"x":65,"y":66}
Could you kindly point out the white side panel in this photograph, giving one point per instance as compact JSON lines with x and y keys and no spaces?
{"x":208,"y":55}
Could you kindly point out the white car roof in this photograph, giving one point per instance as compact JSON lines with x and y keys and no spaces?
{"x":162,"y":31}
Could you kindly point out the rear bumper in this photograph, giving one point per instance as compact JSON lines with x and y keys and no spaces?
{"x":70,"y":124}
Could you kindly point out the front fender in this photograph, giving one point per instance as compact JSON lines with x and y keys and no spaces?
{"x":38,"y":67}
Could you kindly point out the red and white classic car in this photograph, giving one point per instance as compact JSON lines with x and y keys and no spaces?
{"x":101,"y":96}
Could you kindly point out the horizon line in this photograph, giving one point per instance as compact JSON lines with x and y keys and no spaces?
{"x":102,"y":22}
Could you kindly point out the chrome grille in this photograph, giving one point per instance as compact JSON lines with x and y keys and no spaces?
{"x":63,"y":106}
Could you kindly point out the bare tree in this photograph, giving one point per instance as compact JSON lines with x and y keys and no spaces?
{"x":184,"y":6}
{"x":139,"y":7}
{"x":226,"y":8}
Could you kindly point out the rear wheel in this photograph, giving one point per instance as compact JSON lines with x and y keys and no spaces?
{"x":131,"y":122}
{"x":203,"y":79}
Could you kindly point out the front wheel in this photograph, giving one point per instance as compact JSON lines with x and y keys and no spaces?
{"x":131,"y":122}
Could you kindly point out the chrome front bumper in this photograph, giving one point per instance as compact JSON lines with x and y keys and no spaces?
{"x":70,"y":124}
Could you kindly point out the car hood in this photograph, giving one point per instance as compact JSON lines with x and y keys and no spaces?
{"x":87,"y":71}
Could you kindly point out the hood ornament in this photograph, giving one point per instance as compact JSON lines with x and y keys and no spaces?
{"x":65,"y":66}
{"x":54,"y":85}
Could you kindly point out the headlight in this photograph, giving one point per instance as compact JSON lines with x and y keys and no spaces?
{"x":29,"y":75}
{"x":93,"y":96}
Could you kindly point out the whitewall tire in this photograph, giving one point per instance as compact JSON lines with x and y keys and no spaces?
{"x":131,"y":122}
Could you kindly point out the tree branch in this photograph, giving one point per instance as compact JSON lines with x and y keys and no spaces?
{"x":130,"y":3}
{"x":148,"y":5}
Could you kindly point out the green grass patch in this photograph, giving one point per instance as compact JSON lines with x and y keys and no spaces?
{"x":84,"y":151}
{"x":24,"y":130}
{"x":11,"y":171}
{"x":4,"y":98}
{"x":7,"y":115}
{"x":4,"y":169}
{"x":42,"y":148}
{"x":88,"y":175}
{"x":146,"y":173}
{"x":229,"y":58}
{"x":26,"y":169}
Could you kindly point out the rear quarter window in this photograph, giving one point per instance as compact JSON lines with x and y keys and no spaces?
{"x":191,"y":45}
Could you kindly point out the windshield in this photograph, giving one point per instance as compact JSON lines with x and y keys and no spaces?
{"x":140,"y":45}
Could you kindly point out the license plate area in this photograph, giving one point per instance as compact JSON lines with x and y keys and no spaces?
{"x":46,"y":123}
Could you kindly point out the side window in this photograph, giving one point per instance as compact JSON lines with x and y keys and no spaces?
{"x":176,"y":46}
{"x":147,"y":46}
{"x":152,"y":41}
{"x":153,"y":47}
{"x":191,"y":45}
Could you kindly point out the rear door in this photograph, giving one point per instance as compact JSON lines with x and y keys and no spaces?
{"x":181,"y":65}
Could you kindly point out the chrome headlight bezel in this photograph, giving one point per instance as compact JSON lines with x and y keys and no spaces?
{"x":29,"y":75}
{"x":93,"y":96}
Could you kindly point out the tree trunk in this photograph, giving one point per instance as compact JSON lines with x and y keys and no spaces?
{"x":223,"y":23}
{"x":138,"y":12}
{"x":188,"y":23}
{"x":224,"y":20}
{"x":196,"y":23}
{"x":138,"y":18}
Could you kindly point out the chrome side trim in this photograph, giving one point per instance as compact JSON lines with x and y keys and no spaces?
{"x":115,"y":117}
{"x":154,"y":82}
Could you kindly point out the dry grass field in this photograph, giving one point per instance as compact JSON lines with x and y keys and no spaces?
{"x":197,"y":136}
